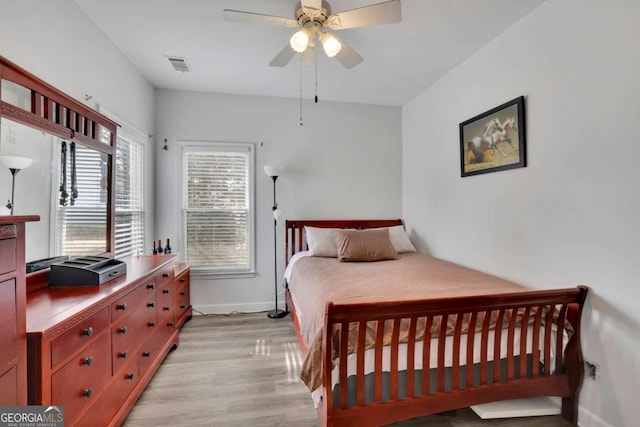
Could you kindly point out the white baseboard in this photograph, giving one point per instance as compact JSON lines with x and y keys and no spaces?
{"x":588,"y":419}
{"x":236,"y":308}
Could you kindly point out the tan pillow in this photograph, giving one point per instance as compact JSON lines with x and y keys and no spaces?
{"x":321,"y":241}
{"x":364,"y":245}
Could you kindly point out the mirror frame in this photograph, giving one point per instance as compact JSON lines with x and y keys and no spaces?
{"x":56,"y":113}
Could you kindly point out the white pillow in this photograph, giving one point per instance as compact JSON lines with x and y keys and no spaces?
{"x":400,"y":240}
{"x":321,"y":242}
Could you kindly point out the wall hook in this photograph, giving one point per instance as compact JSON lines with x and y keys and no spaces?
{"x":87,"y":97}
{"x":166,"y":147}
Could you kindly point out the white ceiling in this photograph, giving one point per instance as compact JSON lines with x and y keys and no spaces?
{"x":400,"y":60}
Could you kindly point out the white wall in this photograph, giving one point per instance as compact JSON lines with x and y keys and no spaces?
{"x":571,"y":216}
{"x":57,"y":42}
{"x":344,"y":162}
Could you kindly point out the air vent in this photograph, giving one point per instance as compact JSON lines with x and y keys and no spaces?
{"x":179,"y":64}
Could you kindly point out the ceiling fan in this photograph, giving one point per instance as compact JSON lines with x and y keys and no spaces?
{"x":314,"y":18}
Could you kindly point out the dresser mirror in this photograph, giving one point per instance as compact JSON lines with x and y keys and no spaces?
{"x":68,"y":181}
{"x":64,"y":228}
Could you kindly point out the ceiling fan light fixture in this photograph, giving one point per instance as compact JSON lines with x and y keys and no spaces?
{"x":299,"y":41}
{"x":330,"y":44}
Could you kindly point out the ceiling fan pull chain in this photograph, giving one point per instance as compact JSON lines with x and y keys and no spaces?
{"x":300,"y":121}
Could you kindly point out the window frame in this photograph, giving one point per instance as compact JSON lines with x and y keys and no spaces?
{"x":133,"y":134}
{"x":132,"y":138}
{"x":210,"y":147}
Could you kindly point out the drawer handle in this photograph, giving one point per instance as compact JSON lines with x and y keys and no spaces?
{"x":88,"y":361}
{"x":130,"y":376}
{"x":183,"y":307}
{"x":166,"y":308}
{"x":115,"y":273}
{"x":182,"y":280}
{"x":88,"y":331}
{"x":87,"y":392}
{"x":151,"y":304}
{"x":122,"y":330}
{"x":123,"y":355}
{"x":152,"y":324}
{"x":170,"y":324}
{"x":165,"y":291}
{"x":165,"y":275}
{"x":122,"y":307}
{"x":183,"y":293}
{"x":151,"y":286}
{"x":146,"y":354}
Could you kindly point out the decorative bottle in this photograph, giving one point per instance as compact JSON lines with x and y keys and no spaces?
{"x":155,"y":251}
{"x":167,"y":249}
{"x":159,"y":246}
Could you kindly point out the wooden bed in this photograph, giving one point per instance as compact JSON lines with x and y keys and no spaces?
{"x":397,"y":394}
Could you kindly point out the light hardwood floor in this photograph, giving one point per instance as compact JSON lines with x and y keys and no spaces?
{"x":242,"y":370}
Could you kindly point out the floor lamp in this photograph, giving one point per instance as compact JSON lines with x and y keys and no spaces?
{"x":274,"y":172}
{"x":15,"y":165}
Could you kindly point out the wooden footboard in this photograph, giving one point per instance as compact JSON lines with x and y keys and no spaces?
{"x":530,"y":316}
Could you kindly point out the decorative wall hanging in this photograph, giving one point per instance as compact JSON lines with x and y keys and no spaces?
{"x":494,"y":140}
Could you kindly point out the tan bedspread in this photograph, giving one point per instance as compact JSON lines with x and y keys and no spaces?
{"x":316,"y":281}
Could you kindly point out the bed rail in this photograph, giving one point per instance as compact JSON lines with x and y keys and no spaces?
{"x":525,"y":323}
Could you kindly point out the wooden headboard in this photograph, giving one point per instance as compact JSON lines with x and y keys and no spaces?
{"x":295,"y":240}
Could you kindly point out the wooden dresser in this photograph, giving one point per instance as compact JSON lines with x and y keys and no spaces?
{"x":13,"y":344}
{"x":94,"y":349}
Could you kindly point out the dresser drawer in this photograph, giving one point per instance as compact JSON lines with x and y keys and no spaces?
{"x":183,"y":297}
{"x":134,"y":327}
{"x":165,"y":276}
{"x":150,"y":350}
{"x":9,"y":387}
{"x":111,"y":400}
{"x":125,"y":304}
{"x":8,"y":325}
{"x":165,"y":302}
{"x":78,"y":336}
{"x":130,"y":331}
{"x":9,"y":344}
{"x":7,"y":255}
{"x":79,"y":382}
{"x":8,"y":300}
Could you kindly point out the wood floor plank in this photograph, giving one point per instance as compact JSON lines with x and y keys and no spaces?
{"x":242,"y":370}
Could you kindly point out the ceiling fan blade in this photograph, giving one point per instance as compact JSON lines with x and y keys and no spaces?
{"x":257,"y":18}
{"x":347,"y":56}
{"x":388,"y":12}
{"x":313,"y":8}
{"x":283,"y":58}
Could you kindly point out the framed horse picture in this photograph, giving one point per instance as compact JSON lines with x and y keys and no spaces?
{"x":494,"y":140}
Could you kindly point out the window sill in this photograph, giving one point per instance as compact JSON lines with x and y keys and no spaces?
{"x":209,"y":274}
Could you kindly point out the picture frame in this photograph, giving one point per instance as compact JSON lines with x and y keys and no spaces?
{"x":494,"y":140}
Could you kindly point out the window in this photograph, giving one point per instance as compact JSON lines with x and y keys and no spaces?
{"x":129,"y":218}
{"x":218,"y":217}
{"x":130,"y":201}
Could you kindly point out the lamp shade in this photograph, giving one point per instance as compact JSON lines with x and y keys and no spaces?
{"x":272,"y":170}
{"x":16,"y":162}
{"x":299,"y":41}
{"x":330,"y":44}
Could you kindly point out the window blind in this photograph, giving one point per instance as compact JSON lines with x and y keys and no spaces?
{"x":129,"y":208}
{"x":82,"y":227}
{"x":217,"y":209}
